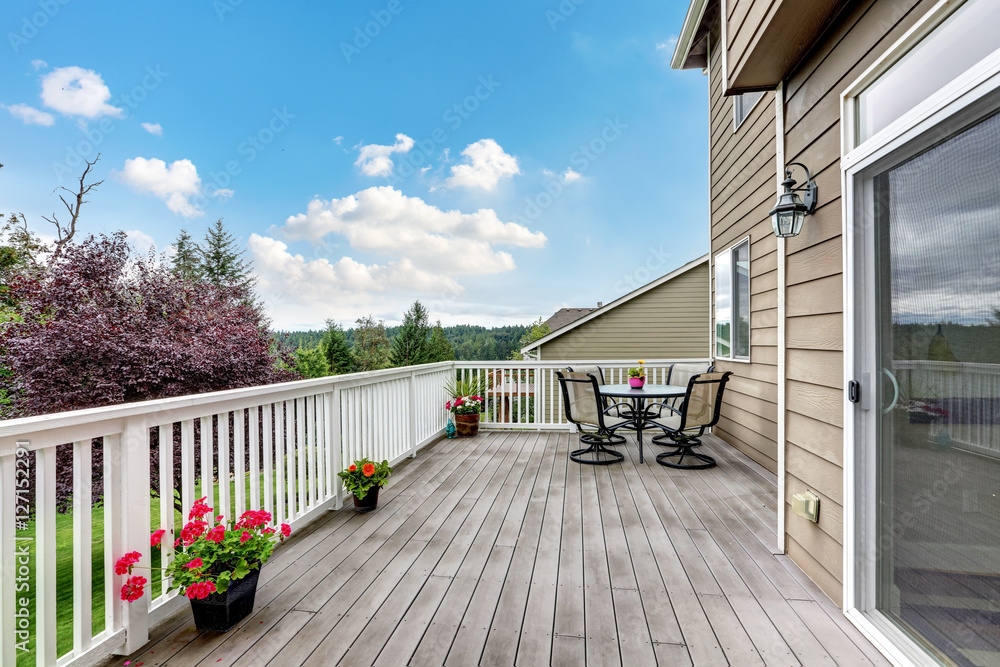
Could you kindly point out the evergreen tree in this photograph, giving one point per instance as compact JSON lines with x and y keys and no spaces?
{"x":538,"y":329}
{"x":310,"y":362}
{"x":409,"y":346}
{"x":438,"y":347}
{"x":222,"y":260}
{"x":371,"y":345}
{"x":187,"y":261}
{"x":336,"y":349}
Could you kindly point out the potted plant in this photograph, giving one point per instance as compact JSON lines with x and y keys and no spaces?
{"x":363,"y":479}
{"x":466,"y":410}
{"x":216,"y":567}
{"x":637,"y":376}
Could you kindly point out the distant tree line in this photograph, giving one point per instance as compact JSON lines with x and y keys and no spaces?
{"x":370,"y":345}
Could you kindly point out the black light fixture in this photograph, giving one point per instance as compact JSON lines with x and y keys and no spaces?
{"x":788,"y":214}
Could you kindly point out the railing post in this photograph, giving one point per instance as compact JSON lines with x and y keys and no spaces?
{"x":134,"y":485}
{"x":412,"y":425}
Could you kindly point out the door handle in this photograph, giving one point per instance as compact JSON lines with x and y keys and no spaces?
{"x":895,"y":389}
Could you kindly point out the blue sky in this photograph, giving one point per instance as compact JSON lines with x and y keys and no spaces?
{"x":496,"y":161}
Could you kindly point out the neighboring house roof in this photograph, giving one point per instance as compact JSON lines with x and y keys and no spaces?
{"x":597,"y":312}
{"x":565,"y":316}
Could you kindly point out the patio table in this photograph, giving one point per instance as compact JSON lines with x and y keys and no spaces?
{"x":638,"y":398}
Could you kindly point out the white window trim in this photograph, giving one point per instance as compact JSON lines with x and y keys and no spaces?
{"x":860,"y":536}
{"x":753,"y":106}
{"x":715,"y":285}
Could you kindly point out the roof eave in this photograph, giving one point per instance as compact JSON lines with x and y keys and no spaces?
{"x":689,"y":32}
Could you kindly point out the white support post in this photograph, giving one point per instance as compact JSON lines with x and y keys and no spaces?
{"x":135,"y":523}
{"x":82,"y":571}
{"x":411,"y":422}
{"x":45,"y":556}
{"x":8,"y":560}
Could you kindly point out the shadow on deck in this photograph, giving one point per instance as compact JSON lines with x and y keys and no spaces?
{"x":499,"y":551}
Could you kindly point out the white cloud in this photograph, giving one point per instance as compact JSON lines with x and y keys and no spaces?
{"x":338,"y":139}
{"x":485,"y":164}
{"x":29,"y":115}
{"x":667,"y":45}
{"x":569,"y":175}
{"x":225,"y":194}
{"x":382,"y":220}
{"x":39,"y":64}
{"x":174,"y":184}
{"x":75,"y":91}
{"x":374,"y":159}
{"x":153,"y":128}
{"x":141,"y":241}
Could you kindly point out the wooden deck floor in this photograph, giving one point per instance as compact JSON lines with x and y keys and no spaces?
{"x":500,"y":551}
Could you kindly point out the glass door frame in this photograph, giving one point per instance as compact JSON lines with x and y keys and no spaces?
{"x":972,"y":96}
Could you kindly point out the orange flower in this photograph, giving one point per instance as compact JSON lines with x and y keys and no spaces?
{"x":368,"y":470}
{"x":353,"y":467}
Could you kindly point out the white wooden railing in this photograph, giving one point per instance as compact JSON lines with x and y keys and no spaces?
{"x":281,"y":445}
{"x":969,"y":393}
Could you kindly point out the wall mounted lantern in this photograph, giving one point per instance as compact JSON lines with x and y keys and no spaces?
{"x":788,"y":214}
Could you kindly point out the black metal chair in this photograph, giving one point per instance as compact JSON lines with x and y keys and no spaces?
{"x":678,"y":374}
{"x":683,"y":427}
{"x":623,"y":410}
{"x":585,"y":408}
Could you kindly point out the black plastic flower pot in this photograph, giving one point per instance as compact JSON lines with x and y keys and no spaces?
{"x":369,"y":502}
{"x":221,"y":612}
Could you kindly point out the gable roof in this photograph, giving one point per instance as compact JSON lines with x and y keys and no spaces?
{"x":597,"y":312}
{"x":565,"y":316}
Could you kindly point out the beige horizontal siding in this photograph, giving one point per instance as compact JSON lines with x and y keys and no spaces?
{"x":670,"y":321}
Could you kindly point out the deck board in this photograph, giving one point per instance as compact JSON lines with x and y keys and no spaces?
{"x":498,"y":551}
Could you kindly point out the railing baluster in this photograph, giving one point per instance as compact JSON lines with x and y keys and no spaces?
{"x":312,"y":409}
{"x":207,"y":481}
{"x":45,"y":556}
{"x":301,"y":452}
{"x":166,"y":491}
{"x":224,"y":495}
{"x":187,"y":470}
{"x":82,"y":545}
{"x":239,"y":466}
{"x":111,"y":449}
{"x":267,"y":447}
{"x":254,"y":424}
{"x":279,"y":461}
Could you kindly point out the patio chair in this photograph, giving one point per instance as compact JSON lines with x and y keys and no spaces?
{"x":683,"y":427}
{"x":623,"y":411}
{"x":585,"y":408}
{"x":677,"y":374}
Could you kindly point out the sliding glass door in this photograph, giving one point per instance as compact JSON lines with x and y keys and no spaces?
{"x":931,"y":329}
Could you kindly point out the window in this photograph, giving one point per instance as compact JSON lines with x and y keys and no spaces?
{"x":742,"y":104}
{"x":732,"y":302}
{"x":958,"y":43}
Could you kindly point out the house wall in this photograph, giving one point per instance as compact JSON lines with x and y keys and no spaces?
{"x":743,"y":189}
{"x":667,"y":322}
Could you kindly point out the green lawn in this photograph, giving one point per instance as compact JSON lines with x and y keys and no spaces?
{"x":64,"y":569}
